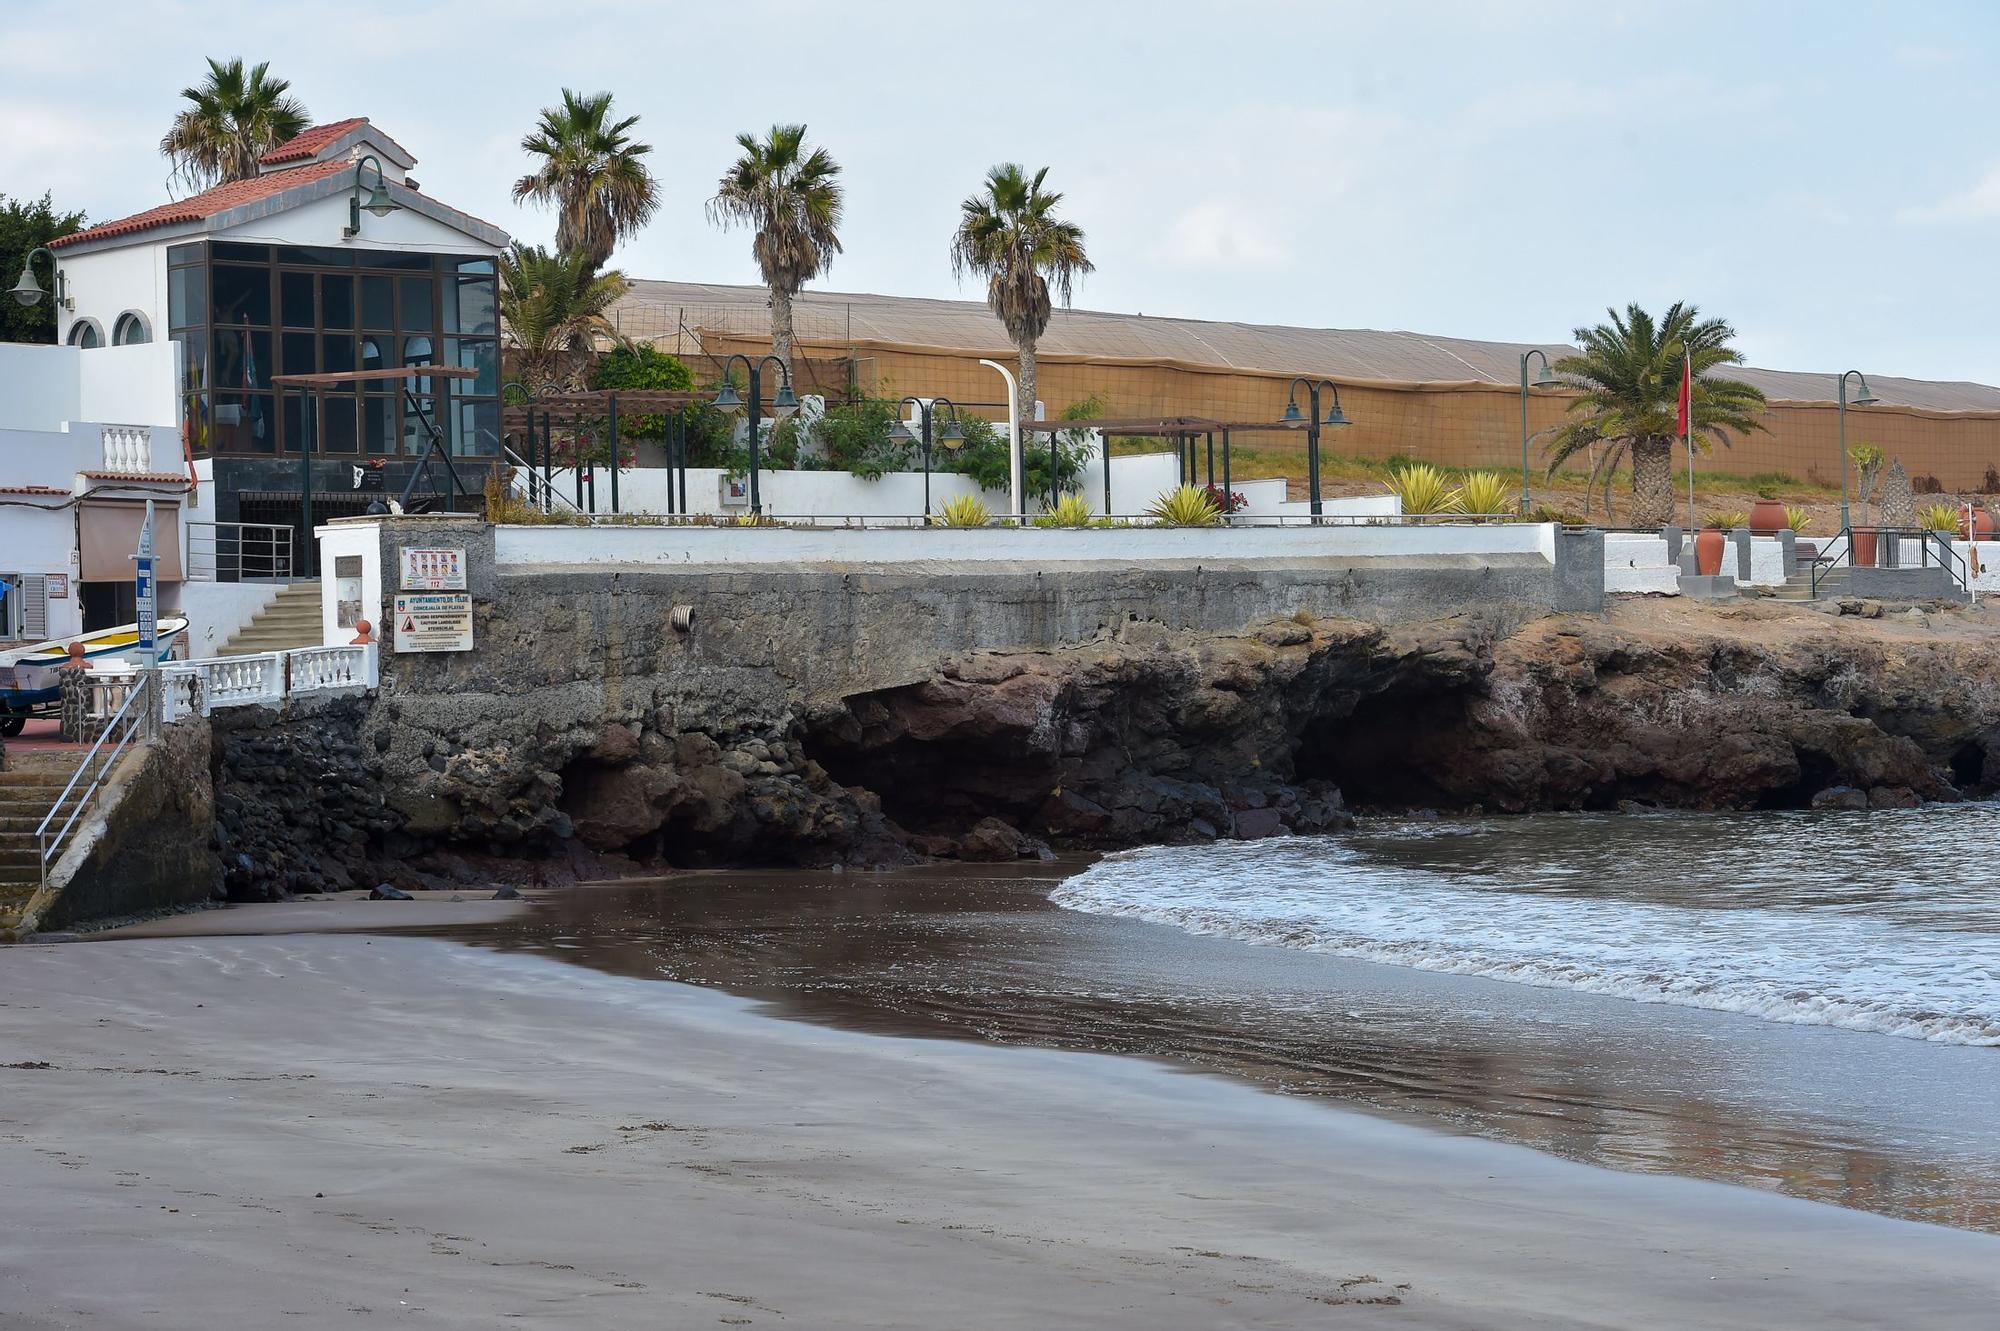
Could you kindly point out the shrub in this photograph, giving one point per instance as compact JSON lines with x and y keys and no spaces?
{"x":1189,"y":506}
{"x":965,"y":511}
{"x":1070,"y":511}
{"x":1423,"y":489}
{"x":1731,"y":520}
{"x":1486,"y":492}
{"x":1939,"y":517}
{"x":1798,"y":520}
{"x":1226,"y":501}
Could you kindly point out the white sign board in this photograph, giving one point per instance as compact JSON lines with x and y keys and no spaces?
{"x":433,"y":570}
{"x":433,"y":622}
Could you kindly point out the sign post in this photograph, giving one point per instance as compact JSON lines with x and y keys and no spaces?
{"x":146,"y":596}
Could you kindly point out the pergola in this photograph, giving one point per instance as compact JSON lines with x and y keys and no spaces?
{"x":315,"y":386}
{"x":1183,"y":430}
{"x":599,"y":404}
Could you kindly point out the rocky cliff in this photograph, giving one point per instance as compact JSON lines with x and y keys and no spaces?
{"x":1146,"y":734}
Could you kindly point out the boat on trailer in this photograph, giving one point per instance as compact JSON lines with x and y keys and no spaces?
{"x":29,"y":685}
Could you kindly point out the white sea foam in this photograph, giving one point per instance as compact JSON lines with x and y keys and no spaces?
{"x":1816,"y":939}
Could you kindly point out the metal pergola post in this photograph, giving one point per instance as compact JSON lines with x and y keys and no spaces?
{"x":614,"y":462}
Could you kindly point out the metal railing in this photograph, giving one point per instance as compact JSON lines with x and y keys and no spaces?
{"x":132,"y":718}
{"x":1933,"y":547}
{"x":900,"y":521}
{"x":239,"y":552}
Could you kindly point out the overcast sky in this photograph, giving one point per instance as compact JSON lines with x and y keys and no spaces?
{"x":1824,"y":175}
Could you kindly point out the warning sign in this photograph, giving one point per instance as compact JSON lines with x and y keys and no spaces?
{"x":433,"y":570}
{"x":433,"y":622}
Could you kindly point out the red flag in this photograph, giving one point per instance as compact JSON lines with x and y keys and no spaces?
{"x":1687,"y":396}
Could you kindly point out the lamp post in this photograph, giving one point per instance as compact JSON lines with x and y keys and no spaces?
{"x":1334,"y":416}
{"x":1542,"y":380}
{"x":1016,"y":484}
{"x":1865,"y":399}
{"x":783,"y":404}
{"x":28,"y":291}
{"x":379,"y":202}
{"x":952,"y":437}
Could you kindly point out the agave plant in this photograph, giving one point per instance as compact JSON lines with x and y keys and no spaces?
{"x":1940,"y":518}
{"x":1731,"y":520}
{"x":965,"y":511}
{"x":1069,"y":511}
{"x":1423,"y":489}
{"x":1798,"y":520}
{"x":1486,"y":493}
{"x":1189,"y":506}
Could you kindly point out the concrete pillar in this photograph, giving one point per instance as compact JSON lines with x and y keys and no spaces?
{"x":1579,"y":570}
{"x":1788,"y":545}
{"x":1676,"y":538}
{"x":1740,"y":539}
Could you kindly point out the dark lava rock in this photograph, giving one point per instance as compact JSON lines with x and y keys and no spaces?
{"x":507,"y":894}
{"x":1254,"y":824}
{"x":992,"y":840}
{"x":386,"y":892}
{"x":1894,"y":797}
{"x":1840,"y":797}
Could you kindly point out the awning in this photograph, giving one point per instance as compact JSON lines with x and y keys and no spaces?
{"x":108,"y":536}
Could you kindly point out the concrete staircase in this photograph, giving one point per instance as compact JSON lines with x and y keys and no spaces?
{"x":1799,"y":586}
{"x":28,"y":791}
{"x":290,"y":621}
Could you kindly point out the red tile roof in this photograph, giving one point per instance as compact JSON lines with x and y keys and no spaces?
{"x":33,"y":490}
{"x":209,"y":202}
{"x":307,"y":143}
{"x":149,"y":477}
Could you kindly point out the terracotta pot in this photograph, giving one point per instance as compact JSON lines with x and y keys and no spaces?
{"x":1864,"y":547}
{"x":1708,"y":547}
{"x":1982,"y":525}
{"x":1767,"y":518}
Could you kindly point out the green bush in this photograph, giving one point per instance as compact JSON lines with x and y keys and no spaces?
{"x":1486,"y":492}
{"x":965,"y":511}
{"x":1069,"y":511}
{"x":1189,"y":506}
{"x":1423,"y":489}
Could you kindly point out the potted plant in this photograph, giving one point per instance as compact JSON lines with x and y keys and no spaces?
{"x":1767,"y":515}
{"x":1868,"y":460}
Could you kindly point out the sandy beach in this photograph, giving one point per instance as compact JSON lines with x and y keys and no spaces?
{"x":320,"y":1129}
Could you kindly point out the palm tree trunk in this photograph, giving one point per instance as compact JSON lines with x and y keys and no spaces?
{"x":781,"y":326}
{"x":1027,"y":345}
{"x":1652,"y":480}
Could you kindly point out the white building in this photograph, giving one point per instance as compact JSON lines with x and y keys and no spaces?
{"x":86,"y":438}
{"x":331,"y":260}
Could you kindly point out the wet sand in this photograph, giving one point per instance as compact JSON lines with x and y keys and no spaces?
{"x":348,"y":1130}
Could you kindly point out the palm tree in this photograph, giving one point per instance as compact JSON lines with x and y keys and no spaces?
{"x":230,"y":122}
{"x":1629,"y":376}
{"x":593,"y":173}
{"x":1012,"y":237}
{"x":794,"y":200}
{"x":553,"y":307}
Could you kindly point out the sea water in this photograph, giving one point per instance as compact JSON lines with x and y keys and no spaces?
{"x":1883,"y":922}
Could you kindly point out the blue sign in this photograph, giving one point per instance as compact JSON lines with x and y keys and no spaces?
{"x":146,"y":594}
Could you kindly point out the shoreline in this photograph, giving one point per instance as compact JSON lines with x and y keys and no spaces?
{"x":499,"y":1134}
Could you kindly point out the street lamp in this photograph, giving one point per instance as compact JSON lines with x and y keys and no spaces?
{"x":784,"y":404}
{"x":1864,"y":399}
{"x":379,"y":202}
{"x":28,"y":291}
{"x":1544,"y":379}
{"x":952,"y":437}
{"x":1313,"y":421}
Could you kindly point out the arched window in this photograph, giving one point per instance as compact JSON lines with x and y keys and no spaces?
{"x":86,"y":334}
{"x":130,"y":330}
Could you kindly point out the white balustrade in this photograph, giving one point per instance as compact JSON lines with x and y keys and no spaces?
{"x":266,"y":679}
{"x":128,"y":449}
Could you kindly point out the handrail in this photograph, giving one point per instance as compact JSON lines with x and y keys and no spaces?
{"x":232,"y":548}
{"x":535,"y":487}
{"x":1930,"y":544}
{"x":124,"y":723}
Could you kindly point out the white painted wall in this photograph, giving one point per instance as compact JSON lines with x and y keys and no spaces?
{"x":133,"y":386}
{"x":349,"y":538}
{"x":321,"y":222}
{"x":217,"y":611}
{"x":38,"y":389}
{"x":105,"y":283}
{"x":1635,"y":564}
{"x":38,"y":538}
{"x":817,"y":545}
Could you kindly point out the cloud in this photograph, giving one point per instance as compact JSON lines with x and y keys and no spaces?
{"x":1221,"y":234}
{"x":1926,"y":57}
{"x":1981,"y":203}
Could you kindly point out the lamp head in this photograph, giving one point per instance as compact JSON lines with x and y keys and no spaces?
{"x":379,"y":202}
{"x":952,"y":437}
{"x":899,"y":433}
{"x":1544,"y":379}
{"x":727,"y":400}
{"x":786,"y":401}
{"x":28,"y":291}
{"x":1864,"y":398}
{"x":1292,"y":414}
{"x":1334,"y":415}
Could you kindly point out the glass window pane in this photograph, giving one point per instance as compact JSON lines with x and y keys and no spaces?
{"x":416,"y":311}
{"x":392,"y":259}
{"x":292,"y":411}
{"x":337,"y":426}
{"x":479,"y":354}
{"x":186,"y":253}
{"x":295,"y":299}
{"x":319,"y":258}
{"x":337,"y":353}
{"x":378,"y":302}
{"x":243,"y":253}
{"x":371,"y":353}
{"x":298,"y":353}
{"x":243,"y":423}
{"x":475,"y":429}
{"x":242,"y":358}
{"x":475,"y":265}
{"x":378,"y":417}
{"x":242,"y":295}
{"x":336,"y":295}
{"x":416,"y":436}
{"x":475,"y":309}
{"x":187,"y":297}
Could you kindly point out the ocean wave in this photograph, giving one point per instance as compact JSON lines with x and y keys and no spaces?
{"x":1877,"y":965}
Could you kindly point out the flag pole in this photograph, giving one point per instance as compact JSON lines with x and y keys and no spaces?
{"x":1687,"y":389}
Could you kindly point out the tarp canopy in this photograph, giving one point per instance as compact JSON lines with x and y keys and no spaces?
{"x":108,"y":537}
